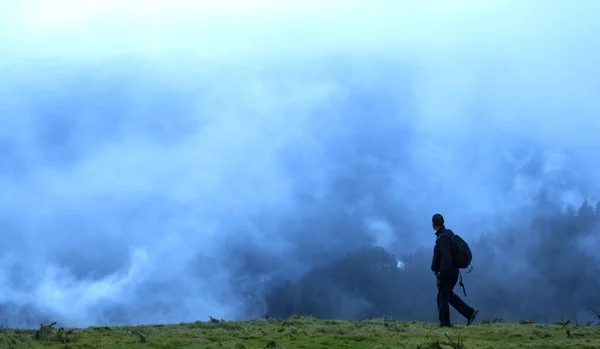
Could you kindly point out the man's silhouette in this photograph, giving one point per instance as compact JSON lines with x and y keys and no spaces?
{"x":446,"y":274}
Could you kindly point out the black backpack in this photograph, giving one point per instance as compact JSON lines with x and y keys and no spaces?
{"x":461,"y":251}
{"x":462,"y":256}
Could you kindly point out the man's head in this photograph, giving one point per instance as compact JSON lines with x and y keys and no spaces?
{"x":437,"y":221}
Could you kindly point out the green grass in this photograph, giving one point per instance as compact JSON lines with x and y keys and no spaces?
{"x":306,"y":332}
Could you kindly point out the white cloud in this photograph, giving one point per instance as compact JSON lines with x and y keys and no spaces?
{"x":254,"y":28}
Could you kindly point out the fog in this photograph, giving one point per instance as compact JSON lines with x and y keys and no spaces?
{"x":167,"y":161}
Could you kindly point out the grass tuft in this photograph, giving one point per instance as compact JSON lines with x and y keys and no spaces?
{"x":141,"y":334}
{"x":51,"y":333}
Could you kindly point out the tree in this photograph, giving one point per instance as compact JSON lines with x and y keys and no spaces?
{"x":585,"y":210}
{"x":585,"y":217}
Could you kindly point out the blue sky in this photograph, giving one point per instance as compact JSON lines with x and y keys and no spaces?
{"x":150,"y":148}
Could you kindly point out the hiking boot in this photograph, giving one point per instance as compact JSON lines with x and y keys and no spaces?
{"x":472,"y":318}
{"x":445,"y":326}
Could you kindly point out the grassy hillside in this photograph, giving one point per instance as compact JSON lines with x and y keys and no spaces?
{"x":301,"y":332}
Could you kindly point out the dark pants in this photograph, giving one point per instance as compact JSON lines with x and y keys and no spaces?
{"x":445,"y":297}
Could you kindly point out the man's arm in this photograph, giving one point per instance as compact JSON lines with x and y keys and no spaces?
{"x":435,"y":260}
{"x":446,"y":258}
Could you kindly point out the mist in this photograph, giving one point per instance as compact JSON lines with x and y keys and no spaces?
{"x":167,"y":161}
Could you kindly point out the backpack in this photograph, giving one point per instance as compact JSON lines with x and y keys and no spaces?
{"x":461,"y":251}
{"x":461,"y":255}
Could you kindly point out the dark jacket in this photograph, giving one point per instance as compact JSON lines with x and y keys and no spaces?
{"x":442,"y":263}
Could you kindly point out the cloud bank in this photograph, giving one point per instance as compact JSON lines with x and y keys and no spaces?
{"x":166,"y":161}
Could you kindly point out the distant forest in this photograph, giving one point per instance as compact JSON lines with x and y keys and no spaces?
{"x":541,"y":271}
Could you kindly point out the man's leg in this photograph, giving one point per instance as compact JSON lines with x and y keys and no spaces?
{"x":463,"y":308}
{"x":457,"y":303}
{"x":443,"y":299}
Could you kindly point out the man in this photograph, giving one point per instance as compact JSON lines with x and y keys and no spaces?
{"x":447,"y":275}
